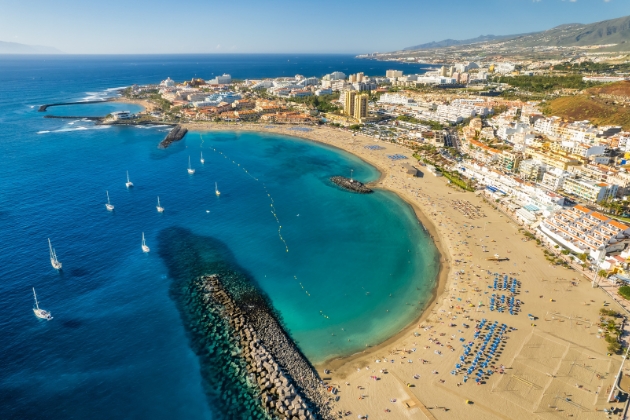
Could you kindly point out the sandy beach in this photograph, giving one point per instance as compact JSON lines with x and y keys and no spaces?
{"x":553,"y":365}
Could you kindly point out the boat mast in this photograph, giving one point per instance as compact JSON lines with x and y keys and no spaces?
{"x":35,"y":295}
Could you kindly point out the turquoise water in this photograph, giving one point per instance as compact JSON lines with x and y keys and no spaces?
{"x":117,"y":347}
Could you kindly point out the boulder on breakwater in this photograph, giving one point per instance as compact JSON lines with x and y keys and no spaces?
{"x":251,"y":369}
{"x":351,"y":185}
{"x":44,"y":107}
{"x":286,"y":385}
{"x":177,"y":133}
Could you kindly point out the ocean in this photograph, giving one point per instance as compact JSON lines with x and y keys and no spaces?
{"x":342,"y":270}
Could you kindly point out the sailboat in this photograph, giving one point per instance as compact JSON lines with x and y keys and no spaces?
{"x":145,"y":248}
{"x":40,"y":313}
{"x":129,"y":184}
{"x":159,"y":208}
{"x":190,"y":169}
{"x":53,"y":257}
{"x":109,"y":206}
{"x":216,"y":190}
{"x":202,"y":159}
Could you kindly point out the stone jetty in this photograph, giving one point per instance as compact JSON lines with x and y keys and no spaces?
{"x":351,"y":184}
{"x":177,"y":133}
{"x":43,"y":108}
{"x":69,"y":117}
{"x":282,"y":384}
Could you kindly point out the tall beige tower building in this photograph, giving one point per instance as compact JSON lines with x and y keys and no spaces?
{"x":360,"y":107}
{"x":349,"y":97}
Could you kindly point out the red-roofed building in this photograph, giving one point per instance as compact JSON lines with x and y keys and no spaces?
{"x":586,"y":231}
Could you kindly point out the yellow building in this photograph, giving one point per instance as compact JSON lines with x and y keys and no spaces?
{"x":349,"y":102}
{"x":360,"y":107}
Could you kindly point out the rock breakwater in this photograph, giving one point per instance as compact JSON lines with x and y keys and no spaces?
{"x":44,"y":107}
{"x":351,"y":185}
{"x":177,"y":133}
{"x":284,"y":385}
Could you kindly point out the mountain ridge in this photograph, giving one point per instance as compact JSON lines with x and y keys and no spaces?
{"x":612,"y":31}
{"x":16,"y":48}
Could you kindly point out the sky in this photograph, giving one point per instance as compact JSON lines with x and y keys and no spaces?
{"x":280,"y":26}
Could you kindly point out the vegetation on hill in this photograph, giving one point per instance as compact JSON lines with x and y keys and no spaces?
{"x":590,"y":67}
{"x":543,"y":84}
{"x":434,"y":125}
{"x":597,"y":110}
{"x":321,"y":103}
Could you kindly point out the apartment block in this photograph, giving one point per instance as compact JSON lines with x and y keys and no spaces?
{"x":582,"y":230}
{"x":587,"y":190}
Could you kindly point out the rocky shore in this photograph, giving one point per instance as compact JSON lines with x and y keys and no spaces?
{"x":281,"y":383}
{"x":351,"y":184}
{"x":177,"y":133}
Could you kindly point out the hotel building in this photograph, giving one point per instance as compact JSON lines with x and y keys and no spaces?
{"x":585,"y":231}
{"x":587,"y":190}
{"x":360,"y":107}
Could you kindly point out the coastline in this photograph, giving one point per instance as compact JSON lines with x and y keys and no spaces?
{"x":336,"y":363}
{"x":146,"y":104}
{"x":419,"y":379}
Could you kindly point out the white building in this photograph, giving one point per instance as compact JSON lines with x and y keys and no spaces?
{"x":395,"y":98}
{"x":167,"y":83}
{"x":226,"y":79}
{"x":582,"y":230}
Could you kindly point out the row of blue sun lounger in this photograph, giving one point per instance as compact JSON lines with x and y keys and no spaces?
{"x":482,"y":358}
{"x":397,"y":157}
{"x":498,"y":302}
{"x":497,"y":284}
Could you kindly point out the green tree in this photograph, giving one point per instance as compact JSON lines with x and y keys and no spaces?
{"x":624,"y":292}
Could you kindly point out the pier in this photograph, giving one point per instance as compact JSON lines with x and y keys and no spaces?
{"x":43,"y":108}
{"x":351,"y":185}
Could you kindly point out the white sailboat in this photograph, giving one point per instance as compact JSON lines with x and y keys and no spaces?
{"x":190,"y":169}
{"x":129,"y":184}
{"x":216,"y":190}
{"x":109,"y":206}
{"x":159,"y":208}
{"x":202,"y":159}
{"x":145,"y":248}
{"x":40,"y":313}
{"x":53,"y":257}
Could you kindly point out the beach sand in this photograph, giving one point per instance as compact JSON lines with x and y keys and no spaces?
{"x":555,"y":366}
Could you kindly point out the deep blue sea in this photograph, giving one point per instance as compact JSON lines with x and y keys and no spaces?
{"x":358,"y":267}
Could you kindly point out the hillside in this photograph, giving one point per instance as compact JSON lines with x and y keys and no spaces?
{"x":614,"y":31}
{"x":621,"y":89}
{"x":595,"y":109}
{"x":15,"y":48}
{"x":452,"y":42}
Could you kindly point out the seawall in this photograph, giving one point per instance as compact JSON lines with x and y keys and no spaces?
{"x":43,"y":108}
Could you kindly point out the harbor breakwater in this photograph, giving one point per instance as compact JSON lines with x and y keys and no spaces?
{"x":177,"y":133}
{"x":351,"y":185}
{"x":44,"y":107}
{"x":250,"y":367}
